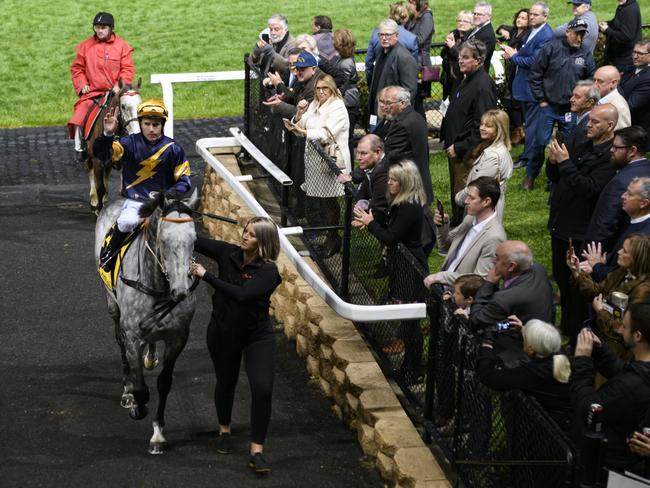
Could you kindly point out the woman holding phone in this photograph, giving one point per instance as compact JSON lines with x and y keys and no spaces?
{"x":326,"y":120}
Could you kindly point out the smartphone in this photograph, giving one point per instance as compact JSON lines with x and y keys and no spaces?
{"x":559,"y":137}
{"x":503,"y":326}
{"x":265,"y":38}
{"x":571,"y":250}
{"x":441,"y":210}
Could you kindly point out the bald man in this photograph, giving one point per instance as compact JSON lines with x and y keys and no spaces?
{"x":526,"y":292}
{"x":577,"y":184}
{"x":606,"y":80}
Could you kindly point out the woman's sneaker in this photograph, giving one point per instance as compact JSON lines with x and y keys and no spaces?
{"x":258,"y":464}
{"x":224,"y":443}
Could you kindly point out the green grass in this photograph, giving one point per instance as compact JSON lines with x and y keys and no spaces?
{"x":39,"y":37}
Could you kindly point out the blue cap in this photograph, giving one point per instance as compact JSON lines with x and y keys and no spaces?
{"x":580,"y":2}
{"x":306,"y":60}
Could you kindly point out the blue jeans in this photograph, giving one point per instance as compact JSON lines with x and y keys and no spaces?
{"x":531,"y":118}
{"x":547,"y":117}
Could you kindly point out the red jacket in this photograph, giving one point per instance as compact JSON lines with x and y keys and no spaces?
{"x":99,"y":65}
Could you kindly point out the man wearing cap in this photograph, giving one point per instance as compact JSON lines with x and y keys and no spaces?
{"x":582,"y":10}
{"x":101,"y":61}
{"x":557,"y":68}
{"x":394,"y":65}
{"x":151,"y":162}
{"x":307,"y":71}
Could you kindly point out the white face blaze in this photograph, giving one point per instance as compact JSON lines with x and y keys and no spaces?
{"x":129,"y":102}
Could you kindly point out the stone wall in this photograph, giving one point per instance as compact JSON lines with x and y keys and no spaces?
{"x":337,"y":358}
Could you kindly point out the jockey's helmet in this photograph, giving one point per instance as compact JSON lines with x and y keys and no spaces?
{"x":153,"y":108}
{"x":104,"y":18}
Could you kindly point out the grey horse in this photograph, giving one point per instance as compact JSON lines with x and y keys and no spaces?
{"x":153,"y":300}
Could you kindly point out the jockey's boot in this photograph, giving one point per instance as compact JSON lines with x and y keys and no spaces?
{"x":108,"y":256}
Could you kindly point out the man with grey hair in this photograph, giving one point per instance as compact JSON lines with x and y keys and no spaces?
{"x":526,"y":293}
{"x":635,"y":202}
{"x":584,"y":97}
{"x":483,"y":30}
{"x":475,"y":95}
{"x":606,"y":79}
{"x":405,"y":133}
{"x":270,"y":51}
{"x":394,"y":65}
{"x":581,"y":9}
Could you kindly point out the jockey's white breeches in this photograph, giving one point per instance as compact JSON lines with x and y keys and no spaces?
{"x":129,"y":218}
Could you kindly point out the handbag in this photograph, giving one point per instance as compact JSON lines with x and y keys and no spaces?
{"x":429,"y":73}
{"x":333,"y":150}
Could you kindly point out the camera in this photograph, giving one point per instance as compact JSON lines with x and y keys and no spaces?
{"x":503,"y":326}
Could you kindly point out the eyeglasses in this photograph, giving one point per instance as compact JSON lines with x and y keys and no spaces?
{"x":387,"y":102}
{"x":639,"y":53}
{"x":616,"y":148}
{"x":322,"y":88}
{"x":387,"y":34}
{"x":478,"y":14}
{"x":463,"y":21}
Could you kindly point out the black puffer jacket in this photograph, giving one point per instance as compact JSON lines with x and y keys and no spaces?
{"x":625,"y":398}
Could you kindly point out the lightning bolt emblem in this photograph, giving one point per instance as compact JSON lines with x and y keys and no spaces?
{"x":148,"y":168}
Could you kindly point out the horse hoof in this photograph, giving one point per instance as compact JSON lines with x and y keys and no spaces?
{"x":127,"y":401}
{"x":150,"y":363}
{"x":138,"y":412}
{"x":156,"y":448}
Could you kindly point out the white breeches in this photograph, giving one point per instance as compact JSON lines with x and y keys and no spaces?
{"x":129,"y":218}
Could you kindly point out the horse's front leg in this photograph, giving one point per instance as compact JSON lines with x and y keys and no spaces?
{"x":106,"y":174}
{"x":136,"y":393}
{"x":158,"y":443}
{"x":92,"y":194}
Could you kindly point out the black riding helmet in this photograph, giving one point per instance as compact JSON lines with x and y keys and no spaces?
{"x":104,"y":18}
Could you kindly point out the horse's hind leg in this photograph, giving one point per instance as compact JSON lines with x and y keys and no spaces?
{"x":106,"y":173}
{"x":157,"y":443}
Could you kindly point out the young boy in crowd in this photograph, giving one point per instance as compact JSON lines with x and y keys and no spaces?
{"x":465,"y":288}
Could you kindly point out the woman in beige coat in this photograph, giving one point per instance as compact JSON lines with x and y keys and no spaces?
{"x":325,"y":115}
{"x":491,"y":157}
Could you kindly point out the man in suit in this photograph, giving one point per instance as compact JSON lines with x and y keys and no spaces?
{"x":577,"y":183}
{"x":394,"y":66}
{"x":556,"y":70}
{"x":635,"y":85}
{"x":635,"y":202}
{"x":472,"y":244}
{"x":540,"y":33}
{"x":526,"y":290}
{"x":607,"y":79}
{"x":475,"y":95}
{"x":371,"y":176}
{"x":608,"y":217}
{"x":585,"y":96}
{"x":405,"y":133}
{"x":483,"y":31}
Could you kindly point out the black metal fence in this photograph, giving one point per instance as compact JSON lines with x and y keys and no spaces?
{"x":491,"y":439}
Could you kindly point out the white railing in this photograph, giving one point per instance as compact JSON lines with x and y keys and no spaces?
{"x":167,"y":80}
{"x":350,"y":311}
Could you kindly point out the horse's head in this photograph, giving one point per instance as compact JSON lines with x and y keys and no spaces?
{"x":129,"y":101}
{"x":175,"y":236}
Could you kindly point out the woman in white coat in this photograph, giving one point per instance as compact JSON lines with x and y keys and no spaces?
{"x":323,"y":117}
{"x":491,"y":157}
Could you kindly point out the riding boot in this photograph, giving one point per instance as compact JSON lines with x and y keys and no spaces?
{"x":109,"y":254}
{"x":80,"y":146}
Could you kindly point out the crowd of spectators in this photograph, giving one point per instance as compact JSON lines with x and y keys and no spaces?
{"x":586,"y":124}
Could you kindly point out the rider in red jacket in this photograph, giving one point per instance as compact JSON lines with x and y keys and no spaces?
{"x":101,"y":61}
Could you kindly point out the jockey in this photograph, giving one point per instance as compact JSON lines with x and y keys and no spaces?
{"x":101,"y":61}
{"x":151,"y":162}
